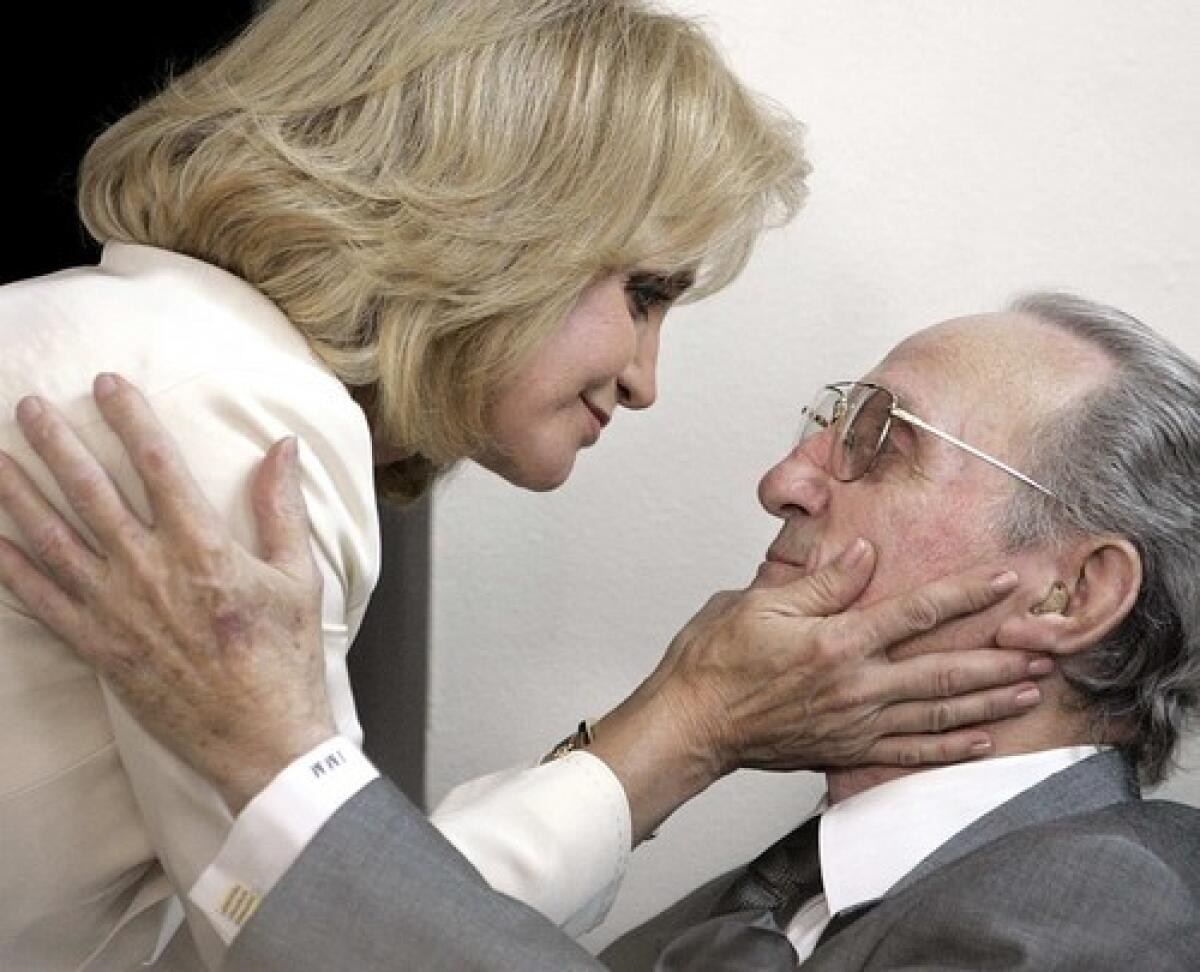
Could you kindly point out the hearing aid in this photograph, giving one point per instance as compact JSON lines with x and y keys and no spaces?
{"x":1054,"y":602}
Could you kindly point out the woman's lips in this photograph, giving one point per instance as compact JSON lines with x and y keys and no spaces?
{"x":601,"y":416}
{"x":600,"y":419}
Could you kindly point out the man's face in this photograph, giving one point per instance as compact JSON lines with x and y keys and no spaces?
{"x":928,"y":507}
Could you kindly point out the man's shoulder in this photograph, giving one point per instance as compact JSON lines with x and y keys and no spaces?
{"x":1154,"y":834}
{"x":1149,"y":818}
{"x":1110,"y":888}
{"x":1151,"y":835}
{"x":1137,"y":827}
{"x":1117,"y":864}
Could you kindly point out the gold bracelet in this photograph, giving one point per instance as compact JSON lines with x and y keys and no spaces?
{"x":577,"y":740}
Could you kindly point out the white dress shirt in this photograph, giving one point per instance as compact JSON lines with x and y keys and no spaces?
{"x":870,"y":841}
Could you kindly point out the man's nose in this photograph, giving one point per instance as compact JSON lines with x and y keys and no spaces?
{"x":799,"y":483}
{"x":637,"y":384}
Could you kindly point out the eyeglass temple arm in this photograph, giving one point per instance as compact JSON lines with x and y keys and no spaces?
{"x":911,"y":419}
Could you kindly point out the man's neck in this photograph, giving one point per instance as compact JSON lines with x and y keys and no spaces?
{"x":1053,"y":723}
{"x":841,"y":784}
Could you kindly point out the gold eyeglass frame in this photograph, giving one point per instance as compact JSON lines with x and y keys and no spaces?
{"x":843,"y":388}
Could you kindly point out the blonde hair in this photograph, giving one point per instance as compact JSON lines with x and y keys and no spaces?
{"x":425,"y":186}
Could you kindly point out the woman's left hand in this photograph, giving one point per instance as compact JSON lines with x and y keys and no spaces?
{"x":792,"y":677}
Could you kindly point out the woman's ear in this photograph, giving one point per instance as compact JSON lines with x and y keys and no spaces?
{"x":1101,"y":578}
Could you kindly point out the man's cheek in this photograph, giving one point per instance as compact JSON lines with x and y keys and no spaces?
{"x":905,"y":562}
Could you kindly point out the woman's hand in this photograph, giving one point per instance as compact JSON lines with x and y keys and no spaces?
{"x":787,"y":678}
{"x":216,"y":652}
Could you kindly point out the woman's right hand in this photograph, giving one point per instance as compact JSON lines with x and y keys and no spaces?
{"x":788,"y":678}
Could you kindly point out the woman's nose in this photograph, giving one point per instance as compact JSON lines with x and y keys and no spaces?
{"x":637,"y":384}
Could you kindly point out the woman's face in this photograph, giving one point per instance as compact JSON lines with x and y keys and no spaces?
{"x":604,"y":354}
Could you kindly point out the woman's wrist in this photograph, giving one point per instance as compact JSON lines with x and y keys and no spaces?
{"x":659,"y":759}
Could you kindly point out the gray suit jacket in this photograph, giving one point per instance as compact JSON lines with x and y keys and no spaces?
{"x":1077,"y":873}
{"x":380,"y":889}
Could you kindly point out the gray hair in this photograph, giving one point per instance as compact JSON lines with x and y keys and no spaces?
{"x":1125,"y":459}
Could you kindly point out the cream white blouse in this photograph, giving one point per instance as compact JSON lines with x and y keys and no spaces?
{"x":100,"y":826}
{"x":96,"y":819}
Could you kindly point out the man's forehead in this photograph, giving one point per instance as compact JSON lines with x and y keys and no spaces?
{"x":907,"y":391}
{"x":924,"y":367}
{"x":990,"y":358}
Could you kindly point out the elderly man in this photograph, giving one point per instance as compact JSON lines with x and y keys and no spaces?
{"x":1044,"y":857}
{"x":1059,"y":437}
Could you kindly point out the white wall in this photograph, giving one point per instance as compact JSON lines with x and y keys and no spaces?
{"x":964,"y":150}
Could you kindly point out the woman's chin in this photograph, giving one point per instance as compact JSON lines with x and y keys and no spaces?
{"x":539,"y":474}
{"x":546,"y":478}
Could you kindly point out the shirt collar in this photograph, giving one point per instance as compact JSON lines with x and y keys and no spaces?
{"x":873,"y":839}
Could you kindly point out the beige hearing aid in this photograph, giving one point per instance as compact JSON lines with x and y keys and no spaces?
{"x":1054,"y":601}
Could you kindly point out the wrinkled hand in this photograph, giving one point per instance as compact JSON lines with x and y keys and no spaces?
{"x":214,"y":651}
{"x":779,"y":679}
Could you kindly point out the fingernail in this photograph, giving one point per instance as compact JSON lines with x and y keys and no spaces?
{"x":290,"y":450}
{"x":981,"y":747}
{"x":29,"y":408}
{"x":852,"y":556}
{"x":1041,"y":666}
{"x":104,"y":386}
{"x":1002,"y":583}
{"x":1029,"y":696}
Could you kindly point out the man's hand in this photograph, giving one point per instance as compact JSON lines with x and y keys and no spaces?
{"x":216,"y":652}
{"x":782,"y":679}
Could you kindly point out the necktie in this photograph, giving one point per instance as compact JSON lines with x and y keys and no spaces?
{"x":745,"y":931}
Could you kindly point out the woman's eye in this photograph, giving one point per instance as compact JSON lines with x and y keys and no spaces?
{"x":650,"y":291}
{"x":644,"y":296}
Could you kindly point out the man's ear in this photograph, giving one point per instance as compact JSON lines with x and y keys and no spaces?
{"x":1099,"y":584}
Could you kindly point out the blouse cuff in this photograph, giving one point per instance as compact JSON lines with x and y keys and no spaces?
{"x":555,"y":836}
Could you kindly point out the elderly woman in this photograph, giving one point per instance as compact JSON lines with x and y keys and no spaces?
{"x":407,"y":233}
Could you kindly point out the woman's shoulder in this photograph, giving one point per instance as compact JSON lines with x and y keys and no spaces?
{"x":161,"y":319}
{"x":221,"y":365}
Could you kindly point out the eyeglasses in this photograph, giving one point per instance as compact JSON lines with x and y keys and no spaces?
{"x":863,"y":413}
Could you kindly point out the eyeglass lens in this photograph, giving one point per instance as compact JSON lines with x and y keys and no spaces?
{"x":868,"y":412}
{"x":824,"y":411}
{"x":861,"y":414}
